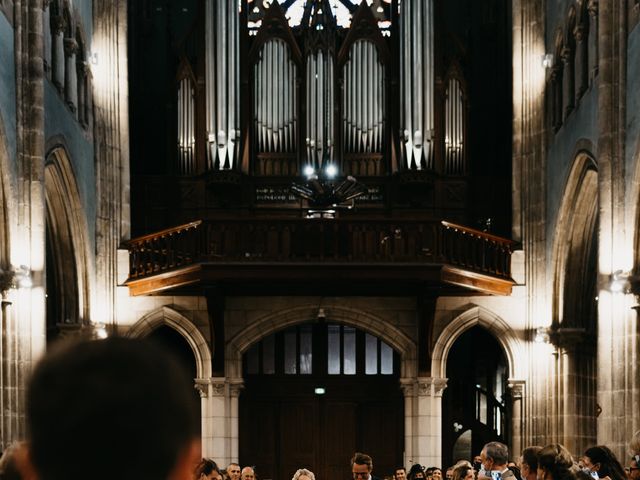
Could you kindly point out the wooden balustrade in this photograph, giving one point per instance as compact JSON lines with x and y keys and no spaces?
{"x":296,"y":241}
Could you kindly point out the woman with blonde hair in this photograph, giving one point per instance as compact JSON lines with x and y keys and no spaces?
{"x":303,"y":474}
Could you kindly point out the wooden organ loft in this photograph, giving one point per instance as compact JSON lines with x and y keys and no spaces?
{"x":266,"y":89}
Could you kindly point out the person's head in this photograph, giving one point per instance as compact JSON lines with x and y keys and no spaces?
{"x":119,"y":399}
{"x":248,"y":473}
{"x":361,"y":466}
{"x":529,"y":462}
{"x":436,"y":473}
{"x":449,"y":473}
{"x":233,"y":470}
{"x":400,"y":473}
{"x":463,"y":472}
{"x":207,"y":470}
{"x":416,"y":472}
{"x":9,"y":463}
{"x":602,"y":460}
{"x":494,"y":456}
{"x":554,"y":463}
{"x":634,"y":445}
{"x":633,"y":470}
{"x":303,"y":474}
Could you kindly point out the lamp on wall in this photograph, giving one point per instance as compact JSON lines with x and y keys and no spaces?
{"x":15,"y":277}
{"x":542,"y":335}
{"x":547,"y":60}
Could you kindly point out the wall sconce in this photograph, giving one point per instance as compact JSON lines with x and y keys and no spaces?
{"x":100,"y":331}
{"x":624,"y":282}
{"x":547,"y":60}
{"x":542,"y":335}
{"x":93,"y":58}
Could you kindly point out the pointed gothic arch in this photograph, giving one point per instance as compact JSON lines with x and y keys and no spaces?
{"x":368,"y":322}
{"x":68,"y":241}
{"x":167,"y":316}
{"x":499,"y":328}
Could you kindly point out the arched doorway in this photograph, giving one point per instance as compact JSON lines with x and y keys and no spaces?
{"x":173,"y":342}
{"x":314,"y":394}
{"x":475,"y":403}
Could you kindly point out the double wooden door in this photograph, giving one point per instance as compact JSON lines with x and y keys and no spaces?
{"x":287,"y":424}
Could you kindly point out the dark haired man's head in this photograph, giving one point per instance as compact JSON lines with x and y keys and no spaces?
{"x":529,"y":462}
{"x":602,"y":460}
{"x":115,"y":408}
{"x":361,"y":466}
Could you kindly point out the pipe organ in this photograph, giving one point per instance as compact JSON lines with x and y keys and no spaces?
{"x":320,"y":105}
{"x":186,"y":126}
{"x":454,"y":129}
{"x":275,"y":98}
{"x":417,"y":83}
{"x":222,"y":37}
{"x":363,"y":100}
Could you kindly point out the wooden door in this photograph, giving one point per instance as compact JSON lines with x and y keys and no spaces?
{"x":286,"y":425}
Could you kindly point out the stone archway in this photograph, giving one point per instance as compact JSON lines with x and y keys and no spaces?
{"x":514,"y":352}
{"x":417,"y":448}
{"x":68,"y":246}
{"x":212,"y":412}
{"x":574,"y":304}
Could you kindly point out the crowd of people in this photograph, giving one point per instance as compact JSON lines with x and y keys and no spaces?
{"x":122,"y":409}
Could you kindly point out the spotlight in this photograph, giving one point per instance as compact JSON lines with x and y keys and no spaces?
{"x":619,"y":281}
{"x":309,"y":171}
{"x":331,"y":170}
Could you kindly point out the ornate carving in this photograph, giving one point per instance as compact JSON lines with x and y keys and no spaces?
{"x":439,"y":384}
{"x":517,"y":388}
{"x":592,"y":8}
{"x":70,"y":46}
{"x":235,"y":387}
{"x":217,"y":388}
{"x":408,"y":387}
{"x":202,"y":386}
{"x":58,"y":24}
{"x":431,"y":387}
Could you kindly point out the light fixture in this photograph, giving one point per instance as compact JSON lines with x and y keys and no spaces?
{"x":93,"y":58}
{"x":547,"y":60}
{"x":15,"y":277}
{"x":542,"y":335}
{"x":100,"y":331}
{"x":319,"y":391}
{"x":325,"y":192}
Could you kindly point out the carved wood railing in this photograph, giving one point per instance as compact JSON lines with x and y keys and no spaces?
{"x":328,"y":241}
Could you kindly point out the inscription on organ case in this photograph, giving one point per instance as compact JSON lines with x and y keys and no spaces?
{"x":274,"y":194}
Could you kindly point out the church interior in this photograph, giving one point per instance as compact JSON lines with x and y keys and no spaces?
{"x":402,"y":227}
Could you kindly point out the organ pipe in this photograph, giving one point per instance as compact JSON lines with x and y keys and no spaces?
{"x":363,"y":112}
{"x":186,"y":127}
{"x":454,"y":129}
{"x":320,"y":103}
{"x":417,"y":82}
{"x":222,"y":83}
{"x":274,"y":99}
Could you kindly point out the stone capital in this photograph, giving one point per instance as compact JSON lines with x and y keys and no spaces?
{"x":58,"y":24}
{"x":45,"y":4}
{"x":431,"y":386}
{"x":235,"y":387}
{"x":579,"y":32}
{"x":70,"y":46}
{"x":592,"y":8}
{"x":408,"y":386}
{"x":517,"y":388}
{"x":202,"y":386}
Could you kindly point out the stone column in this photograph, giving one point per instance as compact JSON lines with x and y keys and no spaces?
{"x":82,"y":71}
{"x":568,"y":81}
{"x":70,"y":73}
{"x":46,"y":33}
{"x":57,"y":51}
{"x":220,"y":418}
{"x":516,"y":388}
{"x":592,"y":7}
{"x":581,"y":62}
{"x":556,"y":96}
{"x":423,"y":419}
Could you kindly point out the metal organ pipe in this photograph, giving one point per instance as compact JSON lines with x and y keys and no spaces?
{"x":364,"y":85}
{"x":222,"y":86}
{"x":186,"y":126}
{"x":417,"y":72}
{"x":275,"y":105}
{"x":454,"y":129}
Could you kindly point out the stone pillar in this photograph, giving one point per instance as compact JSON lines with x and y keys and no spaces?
{"x":581,"y":62}
{"x":70,"y":73}
{"x":516,"y":388}
{"x":593,"y":39}
{"x":57,"y":51}
{"x":568,"y":81}
{"x":82,"y":70}
{"x":556,"y":96}
{"x":46,"y":33}
{"x":423,"y":419}
{"x":220,"y":418}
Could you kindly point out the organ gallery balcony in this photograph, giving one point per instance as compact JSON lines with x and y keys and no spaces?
{"x":299,"y":255}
